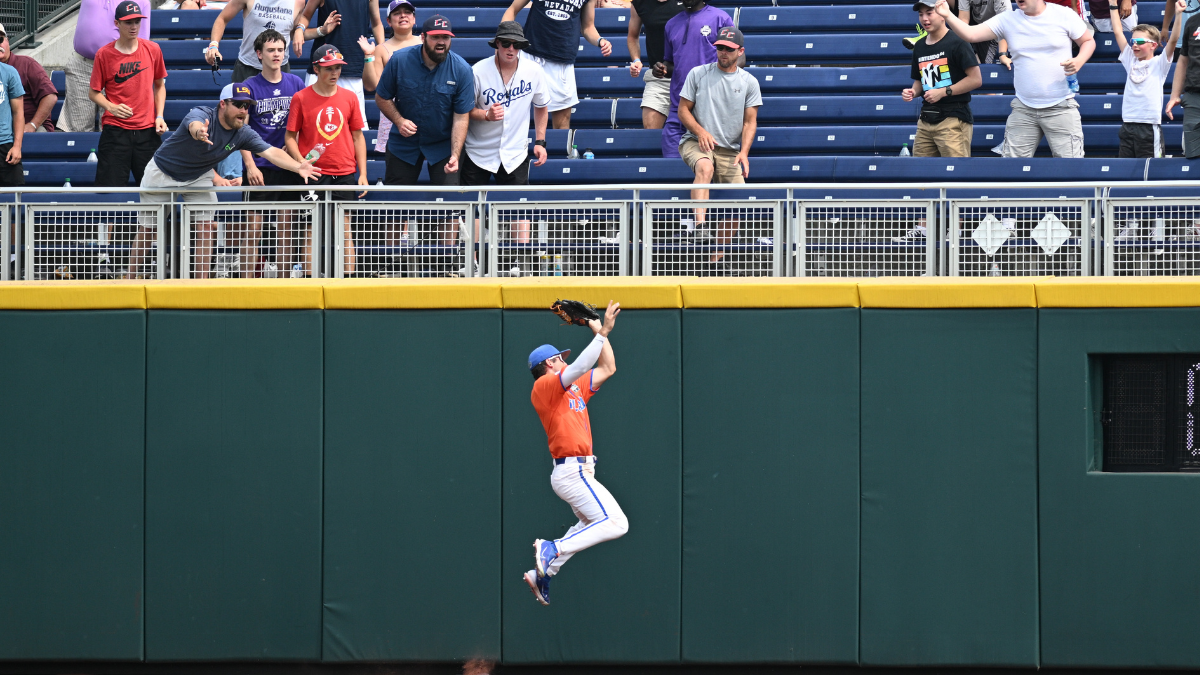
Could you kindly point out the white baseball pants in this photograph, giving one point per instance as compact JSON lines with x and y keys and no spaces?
{"x":600,"y":517}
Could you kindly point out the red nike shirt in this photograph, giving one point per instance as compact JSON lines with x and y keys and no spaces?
{"x":129,"y":79}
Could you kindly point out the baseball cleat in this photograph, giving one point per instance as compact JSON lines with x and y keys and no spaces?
{"x":544,"y":553}
{"x":539,"y":585}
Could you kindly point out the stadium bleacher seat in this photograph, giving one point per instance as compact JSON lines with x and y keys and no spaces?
{"x":840,"y":19}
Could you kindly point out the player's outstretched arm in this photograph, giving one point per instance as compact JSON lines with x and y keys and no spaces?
{"x":587,"y":358}
{"x":606,"y":366}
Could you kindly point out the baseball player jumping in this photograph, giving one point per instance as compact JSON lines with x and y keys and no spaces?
{"x":560,"y":396}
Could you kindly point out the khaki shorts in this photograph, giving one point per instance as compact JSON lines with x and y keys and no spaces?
{"x":1059,"y":123}
{"x":949,"y":138}
{"x":657,"y":94}
{"x":724,"y":160}
{"x":156,"y":189}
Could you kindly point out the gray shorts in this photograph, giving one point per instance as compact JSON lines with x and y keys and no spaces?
{"x":156,"y":189}
{"x":657,"y":94}
{"x":1059,"y":123}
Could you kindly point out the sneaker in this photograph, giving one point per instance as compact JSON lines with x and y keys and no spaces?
{"x":270,"y":271}
{"x":63,"y":272}
{"x":910,"y":42}
{"x":912,"y":235}
{"x":539,"y":585}
{"x":544,"y":553}
{"x":610,"y":240}
{"x":1128,"y":232}
{"x":767,"y":241}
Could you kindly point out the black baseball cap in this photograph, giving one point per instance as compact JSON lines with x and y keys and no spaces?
{"x":129,"y":10}
{"x":436,"y":25}
{"x":730,"y":37}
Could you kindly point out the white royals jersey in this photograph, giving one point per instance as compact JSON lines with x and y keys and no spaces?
{"x":490,"y":144}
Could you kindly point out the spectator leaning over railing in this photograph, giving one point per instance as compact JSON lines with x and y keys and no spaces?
{"x":12,"y":126}
{"x":1141,"y":134}
{"x":94,"y":28}
{"x":1185,"y":88}
{"x":350,"y":20}
{"x":687,"y":43}
{"x":944,"y":71}
{"x":651,"y":16}
{"x":40,"y":95}
{"x":257,"y":16}
{"x":324,"y":124}
{"x":976,"y":12}
{"x":129,"y":83}
{"x":1039,"y":37}
{"x":553,"y":29}
{"x":187,"y":159}
{"x":272,"y":91}
{"x":718,"y":105}
{"x":402,"y":17}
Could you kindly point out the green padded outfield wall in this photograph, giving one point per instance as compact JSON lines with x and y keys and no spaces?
{"x":71,"y":457}
{"x":771,"y":480}
{"x":233,"y":528}
{"x":618,"y":602}
{"x":1119,"y":550}
{"x":412,"y":485}
{"x":949,"y":485}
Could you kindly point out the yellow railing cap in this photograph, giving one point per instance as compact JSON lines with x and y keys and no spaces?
{"x":631,"y":292}
{"x":947,"y":292}
{"x":769,"y":292}
{"x":1119,"y":292}
{"x":413,"y":294}
{"x":235,"y":294}
{"x":67,"y":295}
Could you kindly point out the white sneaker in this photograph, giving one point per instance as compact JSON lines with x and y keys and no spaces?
{"x":270,"y":271}
{"x":1128,"y":232}
{"x":912,"y":235}
{"x":767,"y":241}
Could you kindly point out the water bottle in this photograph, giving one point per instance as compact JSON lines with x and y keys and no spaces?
{"x":297,"y":271}
{"x":574,"y":154}
{"x":588,"y":154}
{"x":904,"y":151}
{"x":1073,"y":83}
{"x":994,"y":271}
{"x":316,"y":152}
{"x":1160,"y":227}
{"x":92,"y":156}
{"x":68,"y":183}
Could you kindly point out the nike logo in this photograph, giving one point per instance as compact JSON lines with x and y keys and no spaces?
{"x":122,"y":78}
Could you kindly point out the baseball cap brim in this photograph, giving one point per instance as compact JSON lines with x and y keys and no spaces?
{"x":727,"y":43}
{"x":127,"y":17}
{"x":329,"y":62}
{"x":439,"y":32}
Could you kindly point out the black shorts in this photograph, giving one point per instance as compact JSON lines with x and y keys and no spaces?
{"x":472,"y":174}
{"x":274,"y":176}
{"x":243,"y":72}
{"x":339,"y":195}
{"x":1140,"y":140}
{"x":11,"y":175}
{"x":121,"y":151}
{"x":400,"y":172}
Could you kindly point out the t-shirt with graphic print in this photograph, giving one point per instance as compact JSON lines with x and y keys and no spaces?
{"x":564,"y":415}
{"x":328,"y":120}
{"x":269,"y":114}
{"x":129,"y":79}
{"x":944,"y":64}
{"x":553,"y":29}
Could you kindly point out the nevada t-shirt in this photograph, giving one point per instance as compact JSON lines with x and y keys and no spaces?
{"x":552,"y":29}
{"x":940,"y":65}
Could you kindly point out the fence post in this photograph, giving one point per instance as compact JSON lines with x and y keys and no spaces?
{"x":31,"y":23}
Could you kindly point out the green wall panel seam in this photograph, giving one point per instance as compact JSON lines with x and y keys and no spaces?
{"x":145,"y":407}
{"x":1037,"y":479}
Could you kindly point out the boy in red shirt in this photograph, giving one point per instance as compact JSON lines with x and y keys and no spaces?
{"x":128,"y":83}
{"x":328,"y":116}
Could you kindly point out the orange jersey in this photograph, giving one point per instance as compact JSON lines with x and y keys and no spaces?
{"x":564,"y":414}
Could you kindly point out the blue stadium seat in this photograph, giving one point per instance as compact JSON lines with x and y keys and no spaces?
{"x":861,"y":80}
{"x":190,"y":53}
{"x":56,"y":173}
{"x":629,"y":113}
{"x":607,"y":82}
{"x":1020,"y":191}
{"x":198,"y":84}
{"x":535,"y":195}
{"x":826,"y":48}
{"x":58,"y":78}
{"x":181,"y":23}
{"x":79,"y":195}
{"x":791,"y":169}
{"x":608,"y":143}
{"x":592,"y":112}
{"x":840,"y":19}
{"x":1174,"y":169}
{"x":61,"y":146}
{"x":849,"y":110}
{"x":936,"y":170}
{"x":556,"y":142}
{"x":612,"y":171}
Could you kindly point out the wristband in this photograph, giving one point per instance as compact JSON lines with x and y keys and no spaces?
{"x":541,"y":143}
{"x":368,"y":59}
{"x":160,"y":117}
{"x":321,"y":31}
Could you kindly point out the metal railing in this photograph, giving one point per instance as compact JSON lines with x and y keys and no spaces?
{"x":528,"y":231}
{"x":23,"y":19}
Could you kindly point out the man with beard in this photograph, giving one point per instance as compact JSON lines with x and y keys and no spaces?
{"x":428,"y":93}
{"x":186,"y":161}
{"x":689,"y":42}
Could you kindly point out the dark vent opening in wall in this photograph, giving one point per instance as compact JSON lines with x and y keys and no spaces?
{"x":1150,"y":415}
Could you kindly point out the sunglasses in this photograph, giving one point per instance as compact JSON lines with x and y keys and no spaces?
{"x":1138,"y":42}
{"x":507,"y":44}
{"x":244,"y":105}
{"x":723,"y":48}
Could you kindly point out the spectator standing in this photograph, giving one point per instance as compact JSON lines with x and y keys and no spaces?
{"x":1073,"y":5}
{"x":506,"y":87}
{"x":1185,"y":88}
{"x":427,"y":92}
{"x":40,"y":94}
{"x":129,"y":84}
{"x":976,"y":12}
{"x":327,"y":115}
{"x":1193,"y":8}
{"x":1039,"y":36}
{"x":12,"y":126}
{"x":944,"y":71}
{"x":93,"y":30}
{"x":257,"y":16}
{"x":687,"y":43}
{"x":718,"y":105}
{"x":1126,"y":12}
{"x":350,"y":20}
{"x":1141,"y":133}
{"x":272,"y":91}
{"x":187,"y":160}
{"x":553,"y":29}
{"x":402,"y":17}
{"x":652,"y":16}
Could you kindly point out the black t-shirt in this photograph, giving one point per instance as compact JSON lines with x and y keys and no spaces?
{"x":1191,"y":49}
{"x":654,"y":16}
{"x":944,"y":64}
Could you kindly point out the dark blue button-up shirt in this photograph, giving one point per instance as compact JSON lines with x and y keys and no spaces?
{"x":429,"y":98}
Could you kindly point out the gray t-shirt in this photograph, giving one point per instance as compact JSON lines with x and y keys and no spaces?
{"x":185,"y":159}
{"x":720,"y":101}
{"x":982,"y":10}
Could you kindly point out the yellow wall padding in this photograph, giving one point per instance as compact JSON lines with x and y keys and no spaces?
{"x":413,"y":294}
{"x":58,"y":295}
{"x":769,"y":292}
{"x":631,"y":292}
{"x":947,"y":292}
{"x":236,"y":294}
{"x":1119,"y":292}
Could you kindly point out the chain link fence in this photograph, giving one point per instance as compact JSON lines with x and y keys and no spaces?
{"x":249,"y":240}
{"x":713,"y":238}
{"x":1004,"y":238}
{"x":92,"y":241}
{"x":412,"y":239}
{"x":558,"y":239}
{"x":866,"y":239}
{"x":1152,"y":237}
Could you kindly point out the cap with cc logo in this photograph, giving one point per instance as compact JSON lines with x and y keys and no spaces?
{"x":730,"y":37}
{"x":127,"y":11}
{"x":436,"y":25}
{"x":327,"y":55}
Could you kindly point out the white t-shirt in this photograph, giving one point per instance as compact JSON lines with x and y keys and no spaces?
{"x":490,"y":144}
{"x":1039,"y":45}
{"x":1144,"y":87}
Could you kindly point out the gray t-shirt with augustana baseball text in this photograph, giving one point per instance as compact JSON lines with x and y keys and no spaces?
{"x":721,"y":100}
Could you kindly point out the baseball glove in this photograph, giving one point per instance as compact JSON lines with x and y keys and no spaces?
{"x":575,"y":312}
